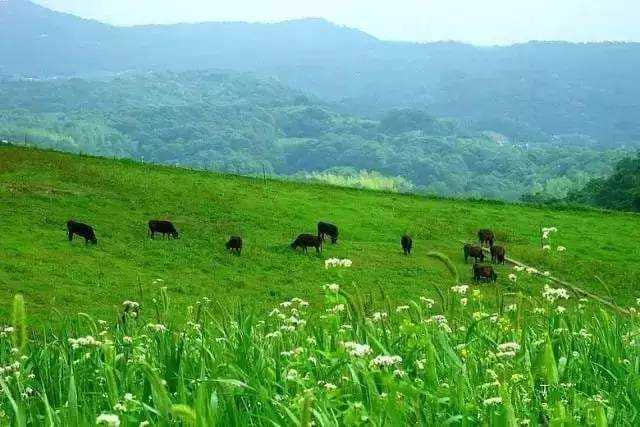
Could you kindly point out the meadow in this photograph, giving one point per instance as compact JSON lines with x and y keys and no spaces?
{"x":41,"y":190}
{"x":137,"y":331}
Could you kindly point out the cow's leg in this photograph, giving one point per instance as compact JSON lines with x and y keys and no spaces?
{"x":70,"y":235}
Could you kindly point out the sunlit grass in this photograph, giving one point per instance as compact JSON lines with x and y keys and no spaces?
{"x":454,"y":356}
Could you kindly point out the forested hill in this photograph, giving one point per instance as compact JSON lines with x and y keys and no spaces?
{"x":247,"y":124}
{"x":619,"y":191}
{"x":529,"y":91}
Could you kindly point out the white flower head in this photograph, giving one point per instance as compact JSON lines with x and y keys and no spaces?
{"x":492,"y":401}
{"x":379,"y":316}
{"x":333,"y":287}
{"x":336,"y":262}
{"x":430,"y":303}
{"x":402,"y":308}
{"x":111,"y":420}
{"x":383,"y":360}
{"x":461,"y":289}
{"x":356,"y":350}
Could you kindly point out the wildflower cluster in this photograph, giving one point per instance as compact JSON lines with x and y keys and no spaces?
{"x":336,"y":262}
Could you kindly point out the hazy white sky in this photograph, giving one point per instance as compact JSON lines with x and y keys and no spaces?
{"x":475,"y":21}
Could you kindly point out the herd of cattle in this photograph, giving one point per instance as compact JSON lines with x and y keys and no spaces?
{"x":481,"y":271}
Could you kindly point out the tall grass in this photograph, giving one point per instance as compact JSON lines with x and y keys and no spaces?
{"x":469,"y":358}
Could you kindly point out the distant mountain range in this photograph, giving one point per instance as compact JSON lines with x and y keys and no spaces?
{"x":528,"y":92}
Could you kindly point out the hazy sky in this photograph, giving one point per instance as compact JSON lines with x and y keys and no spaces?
{"x":475,"y":21}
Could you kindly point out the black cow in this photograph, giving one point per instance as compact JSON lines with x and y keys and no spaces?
{"x":326,"y":229}
{"x":498,"y":254}
{"x":407,"y":244}
{"x":305,"y":240}
{"x":486,"y":236}
{"x":166,"y":228}
{"x":82,"y":230}
{"x":484,"y":273}
{"x":234,"y":244}
{"x":475,"y":252}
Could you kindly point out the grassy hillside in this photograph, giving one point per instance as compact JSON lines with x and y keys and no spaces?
{"x":392,"y":342}
{"x":41,"y":190}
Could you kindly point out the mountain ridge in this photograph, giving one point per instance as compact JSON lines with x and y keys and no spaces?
{"x":536,"y":90}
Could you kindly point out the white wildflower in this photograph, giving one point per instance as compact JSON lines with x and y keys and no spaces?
{"x":383,"y":360}
{"x":87,"y":341}
{"x":461,"y":289}
{"x":399,"y":373}
{"x":291,"y":375}
{"x":430,"y":303}
{"x":110,"y":420}
{"x":336,"y":309}
{"x":275,"y":334}
{"x":552,"y":294}
{"x":378,"y":316}
{"x":333,"y":287}
{"x":355,"y":349}
{"x":402,"y":308}
{"x":130,"y":305}
{"x":561,"y":249}
{"x":158,"y":327}
{"x":513,"y":277}
{"x":492,"y":401}
{"x":336,"y":262}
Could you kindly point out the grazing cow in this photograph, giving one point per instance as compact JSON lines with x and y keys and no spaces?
{"x":82,"y":230}
{"x":474,"y":252}
{"x":234,"y":244}
{"x":326,"y":229}
{"x":305,"y":240}
{"x":166,"y":228}
{"x":498,"y":254}
{"x":486,"y":236}
{"x":484,"y":273}
{"x":407,"y":244}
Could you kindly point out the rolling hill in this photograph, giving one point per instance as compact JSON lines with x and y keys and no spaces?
{"x":247,"y":124}
{"x":529,"y":91}
{"x":41,"y":190}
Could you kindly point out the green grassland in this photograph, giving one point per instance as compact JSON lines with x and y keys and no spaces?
{"x":41,"y":190}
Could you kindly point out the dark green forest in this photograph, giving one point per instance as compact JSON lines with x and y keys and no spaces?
{"x":242,"y":123}
{"x":620,"y":191}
